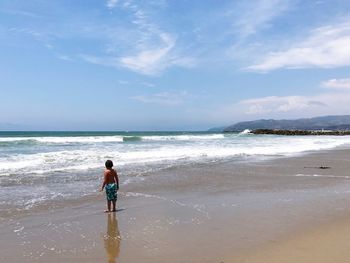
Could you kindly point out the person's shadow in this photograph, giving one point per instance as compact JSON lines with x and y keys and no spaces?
{"x":112,"y":238}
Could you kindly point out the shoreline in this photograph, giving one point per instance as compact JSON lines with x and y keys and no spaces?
{"x":203,"y":213}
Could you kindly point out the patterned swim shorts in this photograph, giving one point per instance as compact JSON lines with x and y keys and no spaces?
{"x":111,"y":192}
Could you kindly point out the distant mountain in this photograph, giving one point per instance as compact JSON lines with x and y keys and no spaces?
{"x":341,"y":122}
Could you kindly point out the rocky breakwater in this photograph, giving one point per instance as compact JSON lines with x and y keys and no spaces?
{"x":299,"y":132}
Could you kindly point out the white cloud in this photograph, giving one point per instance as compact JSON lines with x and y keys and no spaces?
{"x":163,"y":98}
{"x":155,"y":49}
{"x":64,"y":57}
{"x":279,"y":104}
{"x":143,"y":48}
{"x":36,"y":34}
{"x":153,"y":61}
{"x":147,"y":84}
{"x":105,"y":61}
{"x":337,"y":84}
{"x":150,"y":61}
{"x":111,"y":4}
{"x":283,"y":107}
{"x":19,"y":12}
{"x":123,"y":82}
{"x":136,"y":83}
{"x":325,"y":47}
{"x":254,"y":15}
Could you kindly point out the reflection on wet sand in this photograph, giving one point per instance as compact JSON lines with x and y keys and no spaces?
{"x":112,"y":238}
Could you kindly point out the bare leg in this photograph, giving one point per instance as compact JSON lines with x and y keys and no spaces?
{"x":114,"y":204}
{"x":108,"y":206}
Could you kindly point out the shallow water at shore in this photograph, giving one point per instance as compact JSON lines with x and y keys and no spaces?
{"x":44,"y":169}
{"x":201,"y":213}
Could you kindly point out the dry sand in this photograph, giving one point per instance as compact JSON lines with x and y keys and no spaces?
{"x":282,"y":210}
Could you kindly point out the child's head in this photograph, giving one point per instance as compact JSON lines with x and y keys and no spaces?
{"x":109,"y":164}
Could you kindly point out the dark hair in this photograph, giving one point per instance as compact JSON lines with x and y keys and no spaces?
{"x":109,"y":164}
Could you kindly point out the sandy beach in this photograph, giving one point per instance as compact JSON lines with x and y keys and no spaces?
{"x":273,"y":210}
{"x":228,"y":123}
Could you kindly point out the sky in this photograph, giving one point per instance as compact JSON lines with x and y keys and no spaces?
{"x":170,"y":64}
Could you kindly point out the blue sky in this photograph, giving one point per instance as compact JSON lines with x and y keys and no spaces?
{"x":170,"y":65}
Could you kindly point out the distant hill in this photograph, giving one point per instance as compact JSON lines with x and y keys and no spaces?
{"x":341,"y":122}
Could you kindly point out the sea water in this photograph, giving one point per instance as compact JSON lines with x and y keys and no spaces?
{"x":37,"y":168}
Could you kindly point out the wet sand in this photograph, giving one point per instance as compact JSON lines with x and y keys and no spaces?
{"x":281,"y":210}
{"x":323,"y":244}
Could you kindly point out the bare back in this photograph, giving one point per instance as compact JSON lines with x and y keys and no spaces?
{"x":110,"y":177}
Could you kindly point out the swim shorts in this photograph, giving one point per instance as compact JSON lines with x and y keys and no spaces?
{"x":111,"y":192}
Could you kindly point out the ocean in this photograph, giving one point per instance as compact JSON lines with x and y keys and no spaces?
{"x":39,"y":169}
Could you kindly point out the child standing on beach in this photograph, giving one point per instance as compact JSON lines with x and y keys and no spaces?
{"x":111,"y":183}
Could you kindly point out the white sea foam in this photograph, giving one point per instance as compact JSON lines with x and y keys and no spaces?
{"x":60,"y":164}
{"x":92,"y":156}
{"x":65,"y":140}
{"x":323,"y":176}
{"x":106,"y":139}
{"x":184,"y":137}
{"x":88,"y":139}
{"x":246,"y":131}
{"x":14,"y":139}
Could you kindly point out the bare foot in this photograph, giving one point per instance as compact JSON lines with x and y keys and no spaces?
{"x":114,"y":210}
{"x":107,"y":211}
